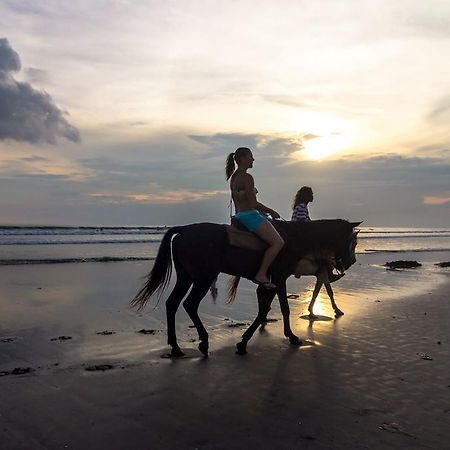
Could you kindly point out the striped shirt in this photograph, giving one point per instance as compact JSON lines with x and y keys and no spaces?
{"x":300,"y":213}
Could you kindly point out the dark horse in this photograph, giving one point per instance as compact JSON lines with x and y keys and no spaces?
{"x":201,"y":251}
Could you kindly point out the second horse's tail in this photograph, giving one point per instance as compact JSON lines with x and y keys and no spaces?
{"x":159,"y":276}
{"x":232,"y":288}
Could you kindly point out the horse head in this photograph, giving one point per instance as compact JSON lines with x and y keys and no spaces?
{"x":346,"y":256}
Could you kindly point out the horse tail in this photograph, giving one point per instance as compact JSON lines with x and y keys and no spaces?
{"x":159,"y":276}
{"x":232,"y":288}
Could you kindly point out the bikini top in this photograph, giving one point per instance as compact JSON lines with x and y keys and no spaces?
{"x":240,"y":192}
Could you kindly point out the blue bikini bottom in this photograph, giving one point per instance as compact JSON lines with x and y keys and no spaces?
{"x":250,"y":218}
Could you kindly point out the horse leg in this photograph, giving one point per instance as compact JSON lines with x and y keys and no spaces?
{"x":285,"y":310}
{"x":317,"y":287}
{"x":265,"y":298}
{"x":269,"y":294}
{"x":182,"y":285}
{"x":198,"y":291}
{"x":337,"y":311}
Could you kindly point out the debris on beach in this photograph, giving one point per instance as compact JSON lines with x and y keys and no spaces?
{"x":170,"y":356}
{"x":22,"y":370}
{"x":401,"y":264}
{"x":293,"y":296}
{"x":17,"y":371}
{"x":105,"y":332}
{"x":443,"y":264}
{"x":101,"y":367}
{"x":425,"y":356}
{"x":393,"y":427}
{"x":237,"y":324}
{"x":61,"y":338}
{"x":309,"y":438}
{"x":6,"y":340}
{"x":145,"y":331}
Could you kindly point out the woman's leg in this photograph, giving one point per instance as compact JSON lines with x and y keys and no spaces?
{"x":269,"y":234}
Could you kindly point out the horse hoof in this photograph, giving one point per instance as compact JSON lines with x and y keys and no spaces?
{"x":294,"y":340}
{"x":203,"y":347}
{"x":176,"y":353}
{"x":338,"y":313}
{"x":241,"y":348}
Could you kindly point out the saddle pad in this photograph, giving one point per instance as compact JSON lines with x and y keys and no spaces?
{"x":244,"y":239}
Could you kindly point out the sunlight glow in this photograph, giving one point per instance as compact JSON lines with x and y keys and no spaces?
{"x":324,"y":146}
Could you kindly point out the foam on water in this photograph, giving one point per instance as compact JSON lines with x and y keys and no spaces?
{"x":53,"y":244}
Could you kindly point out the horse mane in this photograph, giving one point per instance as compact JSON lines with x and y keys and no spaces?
{"x":315,"y":234}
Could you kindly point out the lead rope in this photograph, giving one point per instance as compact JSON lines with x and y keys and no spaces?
{"x":230,"y":207}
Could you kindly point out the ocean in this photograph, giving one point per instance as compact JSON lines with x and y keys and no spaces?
{"x":79,"y":244}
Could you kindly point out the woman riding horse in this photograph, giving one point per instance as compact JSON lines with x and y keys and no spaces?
{"x":248,"y":210}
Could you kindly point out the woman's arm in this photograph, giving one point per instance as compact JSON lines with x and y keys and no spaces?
{"x":265,"y":209}
{"x":253,"y":202}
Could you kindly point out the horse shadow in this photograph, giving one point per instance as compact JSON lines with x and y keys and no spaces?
{"x":317,"y":318}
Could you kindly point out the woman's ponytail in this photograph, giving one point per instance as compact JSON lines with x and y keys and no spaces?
{"x":229,"y":166}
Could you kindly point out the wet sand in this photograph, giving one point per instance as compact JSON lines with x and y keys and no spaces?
{"x":376,"y":378}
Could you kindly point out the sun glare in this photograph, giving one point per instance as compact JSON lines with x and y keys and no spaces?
{"x":324,"y":146}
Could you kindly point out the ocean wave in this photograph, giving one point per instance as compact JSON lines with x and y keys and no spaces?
{"x":407,"y":250}
{"x":57,"y":231}
{"x":102,"y":259}
{"x":77,"y":242}
{"x":411,"y":235}
{"x":410,"y":231}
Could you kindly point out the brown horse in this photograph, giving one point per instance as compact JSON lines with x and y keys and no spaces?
{"x":201,"y":251}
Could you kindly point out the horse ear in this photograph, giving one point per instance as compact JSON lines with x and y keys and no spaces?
{"x":356,"y":224}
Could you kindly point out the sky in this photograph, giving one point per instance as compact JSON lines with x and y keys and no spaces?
{"x":123,"y":112}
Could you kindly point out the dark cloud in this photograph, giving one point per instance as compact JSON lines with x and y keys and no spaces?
{"x":225,"y":143}
{"x":9,"y":59}
{"x":36,"y":75}
{"x":27,"y":114}
{"x":386,"y":190}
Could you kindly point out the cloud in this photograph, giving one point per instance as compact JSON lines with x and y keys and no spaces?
{"x":26,"y":114}
{"x":441,"y":109}
{"x":9,"y":59}
{"x":34,"y":75}
{"x":158,"y":194}
{"x":436,"y":200}
{"x":267,"y":145}
{"x":288,"y":100}
{"x":225,"y":143}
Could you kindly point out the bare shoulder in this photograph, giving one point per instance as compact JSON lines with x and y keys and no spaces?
{"x":242,"y":178}
{"x":247,"y":179}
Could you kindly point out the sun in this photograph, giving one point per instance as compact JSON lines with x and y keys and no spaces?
{"x":321,"y":147}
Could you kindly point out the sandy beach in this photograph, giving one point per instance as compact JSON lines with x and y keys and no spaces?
{"x":376,"y":378}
